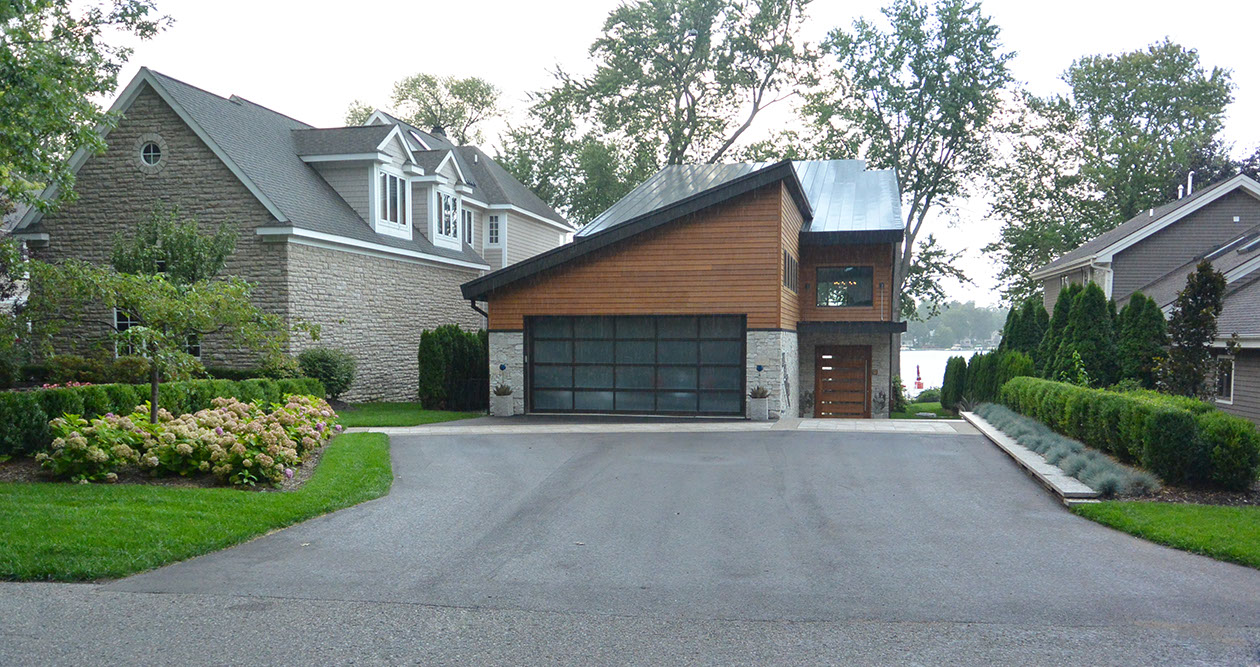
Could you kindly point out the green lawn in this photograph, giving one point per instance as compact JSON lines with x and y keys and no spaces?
{"x":1224,"y":533}
{"x":67,"y":532}
{"x":935,"y":408}
{"x":396,"y":414}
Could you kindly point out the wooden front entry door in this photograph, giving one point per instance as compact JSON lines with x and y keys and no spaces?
{"x":842,"y":381}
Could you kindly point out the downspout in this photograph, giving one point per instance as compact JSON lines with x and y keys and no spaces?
{"x":473,"y":304}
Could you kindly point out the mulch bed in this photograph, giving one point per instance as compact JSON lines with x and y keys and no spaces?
{"x":1177,"y":494}
{"x":27,"y":470}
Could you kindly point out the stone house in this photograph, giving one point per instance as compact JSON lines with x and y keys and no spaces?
{"x":1156,"y":251}
{"x":366,"y":231}
{"x":704,"y":282}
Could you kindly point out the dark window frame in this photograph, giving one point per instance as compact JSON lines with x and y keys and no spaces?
{"x":791,"y":272}
{"x":819,"y":282}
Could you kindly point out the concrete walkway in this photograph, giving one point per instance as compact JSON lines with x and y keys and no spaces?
{"x":537,"y":425}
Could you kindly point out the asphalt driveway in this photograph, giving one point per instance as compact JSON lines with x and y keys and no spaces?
{"x":751,"y":526}
{"x":661,"y":548}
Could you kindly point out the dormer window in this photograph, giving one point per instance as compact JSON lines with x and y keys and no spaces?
{"x":392,"y":214}
{"x":448,"y":216}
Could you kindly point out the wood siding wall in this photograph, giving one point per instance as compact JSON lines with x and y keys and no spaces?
{"x":526,"y":238}
{"x":789,"y":301}
{"x":1193,"y":235}
{"x":877,"y":256}
{"x":1246,"y":386}
{"x":724,"y":260}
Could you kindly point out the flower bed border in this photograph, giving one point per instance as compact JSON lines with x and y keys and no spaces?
{"x":1069,"y":490}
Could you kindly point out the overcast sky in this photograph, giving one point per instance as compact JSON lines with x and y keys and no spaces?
{"x":310,"y":59}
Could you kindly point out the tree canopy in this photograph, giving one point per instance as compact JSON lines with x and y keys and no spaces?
{"x":456,"y":106}
{"x":166,"y":244}
{"x":56,"y":56}
{"x":672,"y":81}
{"x":1122,"y":140}
{"x":1192,"y":330}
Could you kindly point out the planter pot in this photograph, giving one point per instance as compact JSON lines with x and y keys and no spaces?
{"x":501,"y":406}
{"x":759,"y":409}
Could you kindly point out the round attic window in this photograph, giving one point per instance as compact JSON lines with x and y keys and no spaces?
{"x":151,"y":153}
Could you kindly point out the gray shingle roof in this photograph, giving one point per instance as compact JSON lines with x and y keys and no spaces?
{"x":262,"y":143}
{"x":844,"y":196}
{"x":490,"y":182}
{"x":1130,"y":226}
{"x":340,"y":140}
{"x":1241,"y":311}
{"x":1225,"y":257}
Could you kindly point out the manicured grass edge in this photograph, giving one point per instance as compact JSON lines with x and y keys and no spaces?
{"x":1230,"y":534}
{"x":386,"y":415}
{"x":67,"y":532}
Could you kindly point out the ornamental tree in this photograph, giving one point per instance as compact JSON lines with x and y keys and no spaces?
{"x":166,"y":314}
{"x":165,"y":243}
{"x":1142,"y":335}
{"x":1192,"y":330}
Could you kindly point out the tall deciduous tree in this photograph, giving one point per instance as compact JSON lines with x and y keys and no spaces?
{"x":55,"y":57}
{"x":674,"y":81}
{"x":1192,"y":330}
{"x":1142,"y":334}
{"x":919,"y":98}
{"x":457,"y":106}
{"x":1120,"y":142}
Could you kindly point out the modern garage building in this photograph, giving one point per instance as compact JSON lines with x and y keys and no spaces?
{"x":703,"y":283}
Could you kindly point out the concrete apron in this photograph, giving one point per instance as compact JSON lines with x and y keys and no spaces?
{"x":516,"y":425}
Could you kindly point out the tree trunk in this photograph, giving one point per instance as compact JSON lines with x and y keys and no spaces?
{"x":154,"y":378}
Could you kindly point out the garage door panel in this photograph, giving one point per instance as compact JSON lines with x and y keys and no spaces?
{"x":642,"y":364}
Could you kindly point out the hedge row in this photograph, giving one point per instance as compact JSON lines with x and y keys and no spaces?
{"x":25,"y":414}
{"x":1178,"y":440}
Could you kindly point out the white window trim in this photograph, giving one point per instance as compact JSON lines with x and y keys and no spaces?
{"x":130,"y":324}
{"x":380,"y":224}
{"x":491,"y":241}
{"x":435,"y":219}
{"x":1232,"y":375}
{"x":468,"y":224}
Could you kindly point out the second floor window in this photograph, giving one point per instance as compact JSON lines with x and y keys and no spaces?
{"x":791,"y":272}
{"x":448,"y":215}
{"x":846,"y":286}
{"x":1225,"y":380}
{"x":468,"y":226}
{"x":392,"y":199}
{"x":493,"y":233}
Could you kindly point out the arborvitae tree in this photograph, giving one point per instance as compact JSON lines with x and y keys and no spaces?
{"x":1030,"y":327}
{"x":1049,"y":347}
{"x":1009,"y":329}
{"x":1192,"y":329}
{"x":1142,"y":335}
{"x":1089,"y":334}
{"x":955,"y":382}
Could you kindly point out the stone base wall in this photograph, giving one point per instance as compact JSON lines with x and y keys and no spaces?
{"x":776,"y":353}
{"x":881,"y":368}
{"x":375,"y":308}
{"x":507,"y":348}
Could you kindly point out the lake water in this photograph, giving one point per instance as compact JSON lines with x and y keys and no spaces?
{"x":931,"y":365}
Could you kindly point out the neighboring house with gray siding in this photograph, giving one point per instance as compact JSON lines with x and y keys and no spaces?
{"x":366,"y":231}
{"x":1155,"y":252}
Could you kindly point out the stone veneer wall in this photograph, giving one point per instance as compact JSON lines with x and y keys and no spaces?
{"x":507,"y":348}
{"x":881,"y":368}
{"x":115,"y":191}
{"x":375,"y":308}
{"x":776,"y":353}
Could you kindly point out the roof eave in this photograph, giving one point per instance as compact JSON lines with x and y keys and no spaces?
{"x":480,"y":288}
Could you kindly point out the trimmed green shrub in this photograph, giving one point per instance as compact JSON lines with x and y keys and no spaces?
{"x":234,"y":374}
{"x":25,"y":425}
{"x":123,"y":398}
{"x":250,"y":391}
{"x":173,"y":397}
{"x":310,"y":387}
{"x":61,"y":401}
{"x":200,"y":394}
{"x":1172,"y":448}
{"x":95,"y":400}
{"x":334,"y":368}
{"x":1233,"y":450}
{"x":66,"y":368}
{"x":454,"y":369}
{"x":928,"y":396}
{"x":954,"y":384}
{"x":224,"y":388}
{"x":129,"y":370}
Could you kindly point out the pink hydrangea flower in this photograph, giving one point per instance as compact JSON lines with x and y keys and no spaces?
{"x":288,"y":472}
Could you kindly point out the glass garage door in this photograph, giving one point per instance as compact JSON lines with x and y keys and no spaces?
{"x":663,"y":364}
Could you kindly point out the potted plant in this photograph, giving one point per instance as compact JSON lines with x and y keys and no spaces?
{"x":759,"y":404}
{"x":501,"y":403}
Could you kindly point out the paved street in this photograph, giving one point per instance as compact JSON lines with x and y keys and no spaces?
{"x":717,"y":547}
